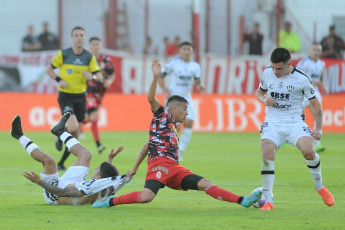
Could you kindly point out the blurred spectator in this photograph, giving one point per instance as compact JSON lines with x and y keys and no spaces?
{"x":332,"y":45}
{"x":177,"y":42}
{"x":149,"y":48}
{"x":30,"y":42}
{"x":255,"y":40}
{"x":289,"y":40}
{"x":170,"y":48}
{"x":47,"y":39}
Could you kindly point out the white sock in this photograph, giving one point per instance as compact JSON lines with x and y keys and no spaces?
{"x":184,"y":139}
{"x":267,"y":175}
{"x":314,"y":167}
{"x":27,"y":144}
{"x":69,"y":140}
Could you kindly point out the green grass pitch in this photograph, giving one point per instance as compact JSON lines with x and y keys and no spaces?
{"x":230,"y":160}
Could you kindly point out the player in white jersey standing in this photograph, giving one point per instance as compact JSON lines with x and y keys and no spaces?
{"x":314,"y":68}
{"x":182,"y":70}
{"x":282,"y":89}
{"x":72,"y":188}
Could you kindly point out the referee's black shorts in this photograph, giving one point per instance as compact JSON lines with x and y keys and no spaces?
{"x":73,"y":103}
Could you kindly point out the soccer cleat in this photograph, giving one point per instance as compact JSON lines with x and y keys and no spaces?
{"x":59,"y":128}
{"x":102,"y":203}
{"x":61,"y":167}
{"x":267,"y":206}
{"x":100,"y":148}
{"x":250,"y":199}
{"x":326,"y":196}
{"x":319,"y":148}
{"x":17,"y":131}
{"x":58,"y":144}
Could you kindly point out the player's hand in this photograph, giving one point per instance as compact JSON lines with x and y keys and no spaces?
{"x":63,"y":84}
{"x":131,"y":173}
{"x":269,"y":101}
{"x":156,"y":67}
{"x":113,"y":153}
{"x":87,"y":75}
{"x":107,"y":83}
{"x":317,"y":134}
{"x":202,"y":88}
{"x":33,"y":177}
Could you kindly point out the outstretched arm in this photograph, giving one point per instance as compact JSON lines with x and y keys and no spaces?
{"x":69,"y":191}
{"x":113,"y":154}
{"x":143,"y":153}
{"x":156,"y":69}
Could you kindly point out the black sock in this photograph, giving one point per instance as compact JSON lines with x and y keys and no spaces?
{"x":111,"y":202}
{"x":240,"y":200}
{"x":98,"y":143}
{"x":64,"y":156}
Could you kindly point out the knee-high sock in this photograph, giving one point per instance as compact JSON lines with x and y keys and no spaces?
{"x":130,"y":198}
{"x":185,"y":138}
{"x":94,"y":129}
{"x":267,"y":175}
{"x":315,"y":170}
{"x":69,"y":141}
{"x":222,"y":194}
{"x":28,"y":145}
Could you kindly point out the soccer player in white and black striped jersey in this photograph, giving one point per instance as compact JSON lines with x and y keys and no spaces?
{"x":314,"y":68}
{"x":282,"y":89}
{"x":72,"y":188}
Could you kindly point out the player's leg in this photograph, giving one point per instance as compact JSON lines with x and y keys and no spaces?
{"x":49,"y":165}
{"x":94,"y":129}
{"x":196,"y":182}
{"x":74,"y":146}
{"x":147,"y":195}
{"x":185,"y":137}
{"x":306,"y":146}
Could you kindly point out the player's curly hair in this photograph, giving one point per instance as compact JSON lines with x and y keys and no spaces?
{"x":108,"y":170}
{"x":280,"y":55}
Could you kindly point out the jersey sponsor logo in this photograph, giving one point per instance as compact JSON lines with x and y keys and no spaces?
{"x":159,"y":174}
{"x":160,"y":168}
{"x":312,"y":91}
{"x":185,"y":78}
{"x":77,"y":61}
{"x":278,"y":106}
{"x":281,"y":85}
{"x":280,"y":96}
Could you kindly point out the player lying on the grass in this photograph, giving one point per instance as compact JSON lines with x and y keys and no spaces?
{"x":72,"y":188}
{"x":162,"y":150}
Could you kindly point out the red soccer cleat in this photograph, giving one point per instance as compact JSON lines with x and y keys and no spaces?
{"x":326,"y":196}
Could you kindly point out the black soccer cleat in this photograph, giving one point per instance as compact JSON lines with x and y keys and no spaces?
{"x":59,"y":128}
{"x":17,"y":131}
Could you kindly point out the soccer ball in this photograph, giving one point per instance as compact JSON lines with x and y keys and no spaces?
{"x":260,"y":202}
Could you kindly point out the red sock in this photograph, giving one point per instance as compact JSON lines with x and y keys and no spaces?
{"x":130,"y":198}
{"x":222,"y":194}
{"x":94,"y":129}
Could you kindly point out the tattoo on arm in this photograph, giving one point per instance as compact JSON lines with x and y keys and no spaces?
{"x":70,"y":191}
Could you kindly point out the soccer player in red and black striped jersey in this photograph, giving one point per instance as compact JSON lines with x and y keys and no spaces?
{"x":96,"y":90}
{"x":162,"y":150}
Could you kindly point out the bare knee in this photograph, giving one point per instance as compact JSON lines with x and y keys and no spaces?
{"x":308,"y":153}
{"x":48,"y":161}
{"x":203,"y":184}
{"x":146,"y":198}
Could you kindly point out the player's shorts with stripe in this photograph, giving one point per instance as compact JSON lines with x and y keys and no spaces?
{"x":73,"y":103}
{"x":167,"y":171}
{"x":281,"y":132}
{"x":74,"y":175}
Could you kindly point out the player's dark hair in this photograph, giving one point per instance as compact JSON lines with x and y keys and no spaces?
{"x":280,"y":55}
{"x":176,"y":98}
{"x":77,"y":28}
{"x":94,"y":39}
{"x":185,"y":44}
{"x":108,"y":170}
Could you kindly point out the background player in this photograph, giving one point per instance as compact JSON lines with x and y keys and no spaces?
{"x":314,"y":68}
{"x":282,"y":89}
{"x":96,"y":89}
{"x":71,"y":188}
{"x":163,"y":167}
{"x":77,"y":65}
{"x":182,"y":70}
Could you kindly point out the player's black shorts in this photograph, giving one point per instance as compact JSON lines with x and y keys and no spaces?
{"x":73,"y":103}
